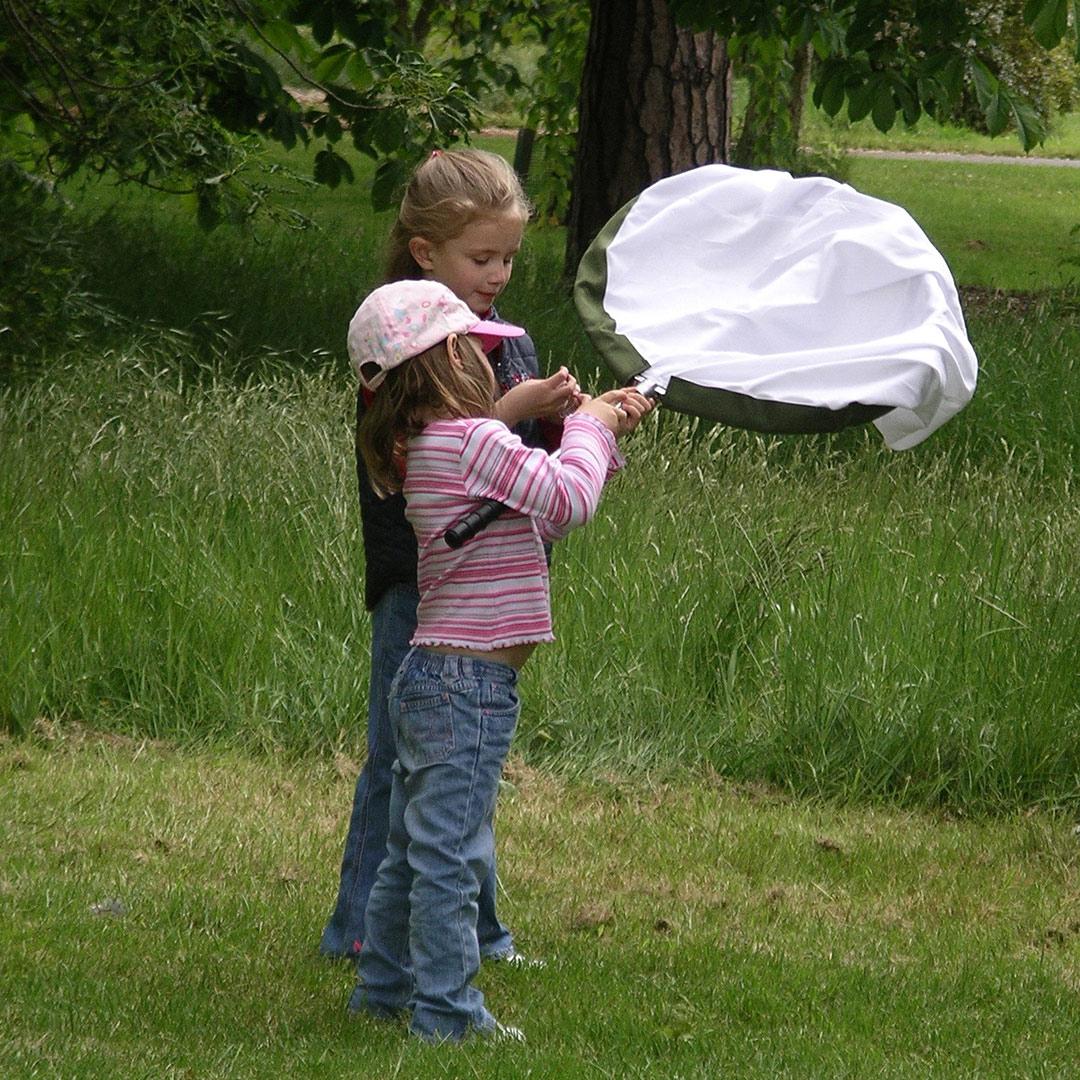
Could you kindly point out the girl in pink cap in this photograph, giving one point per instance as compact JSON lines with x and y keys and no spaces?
{"x":483,"y":608}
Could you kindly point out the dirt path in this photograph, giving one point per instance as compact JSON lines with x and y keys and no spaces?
{"x":918,"y":155}
{"x":975,"y":159}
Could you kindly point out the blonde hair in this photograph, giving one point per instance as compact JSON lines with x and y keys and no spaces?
{"x":426,"y":385}
{"x":446,"y":194}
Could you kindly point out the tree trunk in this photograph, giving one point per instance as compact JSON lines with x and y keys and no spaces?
{"x":654,"y":101}
{"x":801,"y":68}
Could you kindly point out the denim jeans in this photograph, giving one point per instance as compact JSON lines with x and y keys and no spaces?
{"x":453,"y":718}
{"x":393,"y":623}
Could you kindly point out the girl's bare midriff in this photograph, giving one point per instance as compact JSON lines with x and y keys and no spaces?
{"x":514,"y":655}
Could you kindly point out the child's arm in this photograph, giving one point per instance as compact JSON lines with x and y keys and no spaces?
{"x":535,"y":398}
{"x":559,"y":492}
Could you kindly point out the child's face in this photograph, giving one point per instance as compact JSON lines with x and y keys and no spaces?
{"x":476,"y":264}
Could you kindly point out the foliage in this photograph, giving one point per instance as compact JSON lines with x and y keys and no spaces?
{"x":554,"y":102}
{"x":475,"y":41}
{"x":46,"y":297}
{"x":766,"y":136}
{"x":181,"y":98}
{"x":216,"y":597}
{"x":164,"y":95}
{"x":889,"y":59}
{"x":168,"y":95}
{"x":1046,"y":77}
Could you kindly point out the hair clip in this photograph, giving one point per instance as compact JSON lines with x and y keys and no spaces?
{"x":436,"y":153}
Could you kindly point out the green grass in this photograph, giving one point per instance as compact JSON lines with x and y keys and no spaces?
{"x":892,"y":638}
{"x":162,"y":910}
{"x":999,"y":226}
{"x":171,"y":538}
{"x":819,"y":129}
{"x":183,"y":560}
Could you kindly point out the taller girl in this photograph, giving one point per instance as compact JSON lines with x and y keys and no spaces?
{"x":461,"y":223}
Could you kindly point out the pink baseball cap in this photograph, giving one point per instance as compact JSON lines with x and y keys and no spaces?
{"x":404,"y":319}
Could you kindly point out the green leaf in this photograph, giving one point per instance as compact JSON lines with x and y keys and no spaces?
{"x":331,"y":62}
{"x":328,"y":168}
{"x":997,"y":113}
{"x":1029,"y":125}
{"x":1048,"y":19}
{"x":832,"y":94}
{"x":283,"y":35}
{"x":384,"y":188}
{"x":884,"y":112}
{"x":860,"y":102}
{"x":833,"y":32}
{"x":909,"y":103}
{"x":951,"y":76}
{"x":985,"y":83}
{"x":285,"y":127}
{"x":330,"y":126}
{"x":358,"y":72}
{"x":388,"y":130}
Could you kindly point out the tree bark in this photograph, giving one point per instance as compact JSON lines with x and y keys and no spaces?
{"x":654,"y":102}
{"x":802,"y":65}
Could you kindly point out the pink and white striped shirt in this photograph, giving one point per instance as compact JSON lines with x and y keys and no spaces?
{"x":493,"y":591}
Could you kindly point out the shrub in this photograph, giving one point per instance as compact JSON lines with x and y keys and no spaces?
{"x":43,"y":297}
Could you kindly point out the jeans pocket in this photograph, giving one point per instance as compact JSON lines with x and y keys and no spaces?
{"x":500,"y":718}
{"x":425,"y":726}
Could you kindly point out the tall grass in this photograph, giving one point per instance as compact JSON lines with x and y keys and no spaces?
{"x":180,"y":551}
{"x":840,"y":622}
{"x":182,"y":559}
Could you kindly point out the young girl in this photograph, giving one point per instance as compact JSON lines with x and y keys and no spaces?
{"x":461,"y":223}
{"x":483,"y":609}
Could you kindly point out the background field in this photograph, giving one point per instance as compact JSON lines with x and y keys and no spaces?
{"x":163,"y":907}
{"x":835,"y":618}
{"x":794,"y":794}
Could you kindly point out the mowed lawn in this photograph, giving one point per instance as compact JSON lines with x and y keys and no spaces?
{"x":162,"y":910}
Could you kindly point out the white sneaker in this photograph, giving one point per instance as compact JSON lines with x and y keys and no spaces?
{"x":500,"y":1033}
{"x":520,"y":960}
{"x":505,"y":1033}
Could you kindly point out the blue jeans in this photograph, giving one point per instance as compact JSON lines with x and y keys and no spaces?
{"x":453,"y":717}
{"x":393,"y":623}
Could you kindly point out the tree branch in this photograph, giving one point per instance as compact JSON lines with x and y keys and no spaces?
{"x":288,"y":59}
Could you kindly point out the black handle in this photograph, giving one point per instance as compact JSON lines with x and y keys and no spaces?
{"x":473,"y":522}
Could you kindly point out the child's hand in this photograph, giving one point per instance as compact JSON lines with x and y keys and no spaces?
{"x":620,"y":410}
{"x":556,"y":396}
{"x":605,"y":408}
{"x":633,"y":406}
